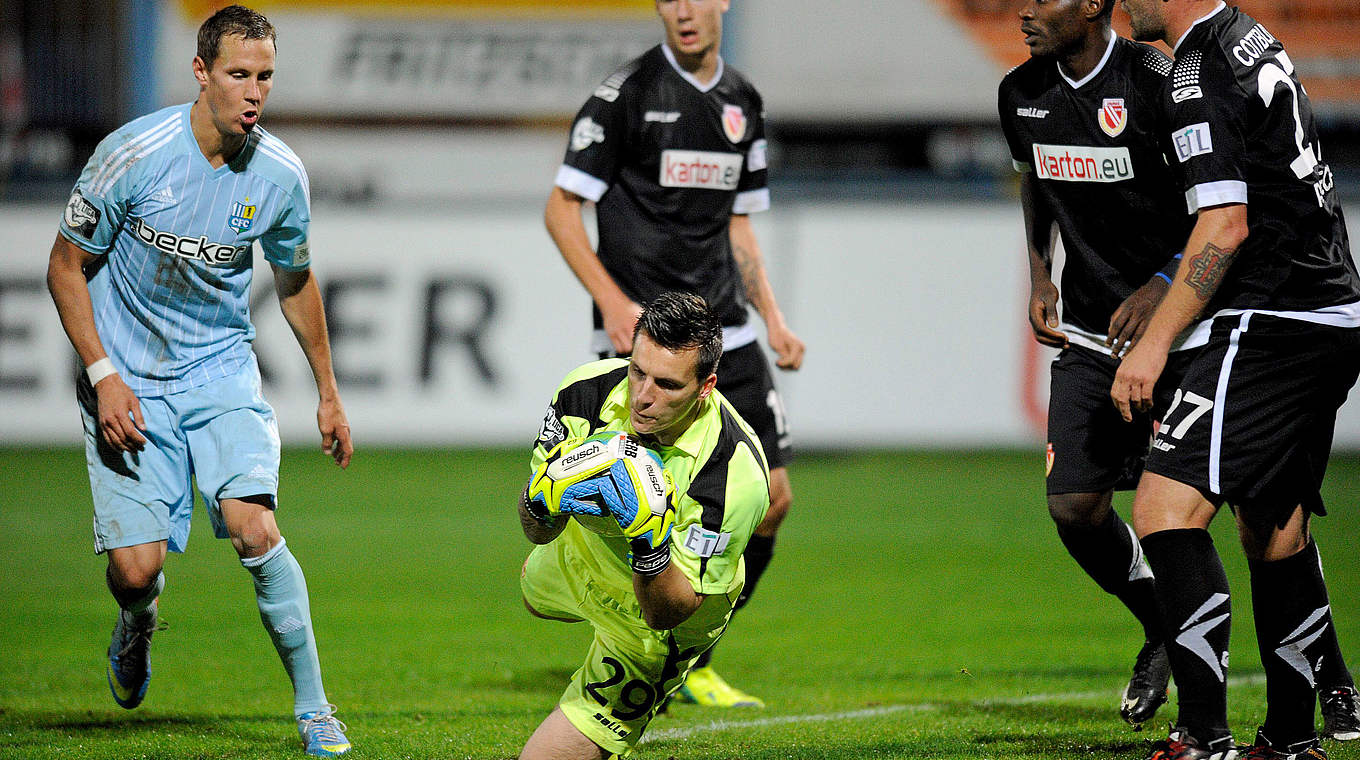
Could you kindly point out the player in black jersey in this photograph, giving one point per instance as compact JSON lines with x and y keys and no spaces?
{"x":1252,"y":419}
{"x":671,"y":149}
{"x":1082,"y":122}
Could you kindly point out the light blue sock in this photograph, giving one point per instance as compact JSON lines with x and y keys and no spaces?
{"x":281,"y":593}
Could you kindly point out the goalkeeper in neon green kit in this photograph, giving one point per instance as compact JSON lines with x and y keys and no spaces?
{"x":654,"y":568}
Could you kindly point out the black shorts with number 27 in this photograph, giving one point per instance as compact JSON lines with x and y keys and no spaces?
{"x":1252,"y":420}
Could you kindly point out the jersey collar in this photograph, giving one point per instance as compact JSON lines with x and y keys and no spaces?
{"x":1221,"y":5}
{"x":688,"y":77}
{"x":1099,"y":67}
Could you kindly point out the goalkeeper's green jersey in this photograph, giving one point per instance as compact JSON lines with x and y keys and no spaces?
{"x":722,"y":483}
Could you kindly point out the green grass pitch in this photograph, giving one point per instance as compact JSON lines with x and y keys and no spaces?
{"x":919,"y":606}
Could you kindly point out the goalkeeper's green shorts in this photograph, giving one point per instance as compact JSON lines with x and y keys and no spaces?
{"x":629,"y":668}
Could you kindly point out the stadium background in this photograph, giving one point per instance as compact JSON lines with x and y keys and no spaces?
{"x":431,"y":130}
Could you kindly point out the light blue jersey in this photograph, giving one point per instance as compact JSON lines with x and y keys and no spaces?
{"x":171,"y":292}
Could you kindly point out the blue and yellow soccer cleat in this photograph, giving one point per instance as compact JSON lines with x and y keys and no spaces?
{"x":323,"y":735}
{"x":129,"y":670}
{"x":705,"y":687}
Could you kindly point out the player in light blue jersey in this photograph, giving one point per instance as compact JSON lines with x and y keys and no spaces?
{"x":151,"y":274}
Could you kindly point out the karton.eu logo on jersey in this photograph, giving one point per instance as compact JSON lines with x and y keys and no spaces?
{"x":1082,"y":163}
{"x":1113,"y":116}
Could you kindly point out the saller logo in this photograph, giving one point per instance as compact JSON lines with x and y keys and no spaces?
{"x":199,"y":248}
{"x":1081,"y":163}
{"x":701,"y":169}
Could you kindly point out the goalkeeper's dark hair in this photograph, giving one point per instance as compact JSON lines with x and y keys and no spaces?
{"x":232,"y":21}
{"x":680,"y":321}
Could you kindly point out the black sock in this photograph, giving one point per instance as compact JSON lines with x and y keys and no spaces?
{"x":758,"y":552}
{"x":1192,"y":591}
{"x":1331,"y":671}
{"x":1109,"y":554}
{"x":1289,"y":600}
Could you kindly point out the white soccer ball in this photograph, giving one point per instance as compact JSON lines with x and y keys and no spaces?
{"x":641,"y":477}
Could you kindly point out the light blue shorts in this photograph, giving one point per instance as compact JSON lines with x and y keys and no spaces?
{"x":223,"y":435}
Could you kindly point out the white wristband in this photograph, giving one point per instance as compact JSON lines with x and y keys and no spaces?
{"x":100,"y":370}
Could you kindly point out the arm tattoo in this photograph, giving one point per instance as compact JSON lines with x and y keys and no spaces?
{"x":1207,"y":269}
{"x":750,"y":273}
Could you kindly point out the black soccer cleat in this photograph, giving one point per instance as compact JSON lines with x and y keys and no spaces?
{"x":1264,"y":750}
{"x":1147,"y":687}
{"x":1340,"y":713}
{"x":1180,"y":745}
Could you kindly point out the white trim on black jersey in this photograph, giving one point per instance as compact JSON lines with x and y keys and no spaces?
{"x":751,"y":201}
{"x":1221,"y":5}
{"x":1219,"y":193}
{"x":574,"y":180}
{"x":688,"y":77}
{"x":1109,"y":49}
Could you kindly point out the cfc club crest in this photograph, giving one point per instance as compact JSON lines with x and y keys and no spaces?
{"x":734,"y":123}
{"x":1113,"y":116}
{"x":242,"y":216}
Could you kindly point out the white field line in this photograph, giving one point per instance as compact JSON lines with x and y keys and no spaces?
{"x":874,"y":712}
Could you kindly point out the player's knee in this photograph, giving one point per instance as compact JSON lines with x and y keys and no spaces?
{"x":251,"y":527}
{"x":133,"y":570}
{"x":1078,"y":510}
{"x":134,"y":576}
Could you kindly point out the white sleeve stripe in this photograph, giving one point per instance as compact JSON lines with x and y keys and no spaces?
{"x":573,"y":179}
{"x":296,"y":168}
{"x":283,"y":153}
{"x":116,"y":160}
{"x":1215,"y":194}
{"x":1024,"y":167}
{"x":112,"y":160}
{"x":125,"y":164}
{"x":752,"y":201}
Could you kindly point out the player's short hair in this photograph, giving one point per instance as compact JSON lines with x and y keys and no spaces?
{"x":1107,"y":10}
{"x":234,"y":21}
{"x":681,"y":321}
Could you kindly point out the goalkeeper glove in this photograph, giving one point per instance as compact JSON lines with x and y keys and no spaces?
{"x":547,"y":486}
{"x":645,"y":512}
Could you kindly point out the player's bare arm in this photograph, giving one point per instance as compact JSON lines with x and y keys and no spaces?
{"x":1129,"y":321}
{"x":535,"y":530}
{"x":751,"y":264}
{"x":300,"y":301}
{"x":667,"y":599}
{"x":562,"y":217}
{"x":1207,"y":269}
{"x":120,"y":414}
{"x":1043,"y":294}
{"x":1218,"y":233}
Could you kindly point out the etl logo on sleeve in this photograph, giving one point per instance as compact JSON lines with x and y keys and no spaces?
{"x":1192,"y":141}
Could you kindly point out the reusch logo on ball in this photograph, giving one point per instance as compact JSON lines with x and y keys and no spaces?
{"x":585,"y":452}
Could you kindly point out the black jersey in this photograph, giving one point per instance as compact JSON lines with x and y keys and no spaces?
{"x":1242,"y":131}
{"x":1095,"y":147}
{"x":668,"y":161}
